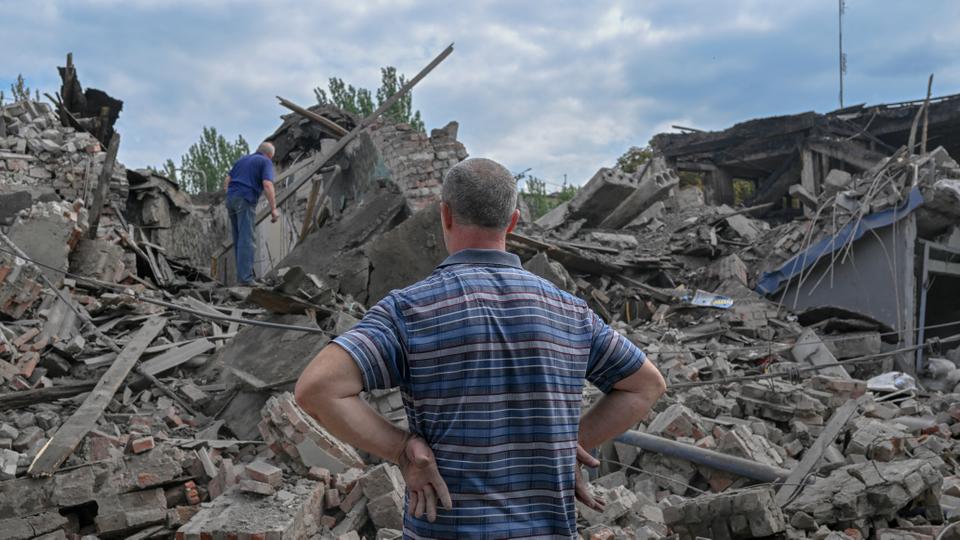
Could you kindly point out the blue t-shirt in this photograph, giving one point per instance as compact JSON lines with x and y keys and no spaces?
{"x":490,"y":360}
{"x":247,"y":176}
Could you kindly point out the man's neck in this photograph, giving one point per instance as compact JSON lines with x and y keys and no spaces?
{"x":476,"y":241}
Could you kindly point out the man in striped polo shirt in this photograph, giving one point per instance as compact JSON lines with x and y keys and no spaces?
{"x":491,"y":362}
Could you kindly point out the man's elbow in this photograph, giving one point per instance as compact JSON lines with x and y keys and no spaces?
{"x":309,"y":393}
{"x":658,"y":387}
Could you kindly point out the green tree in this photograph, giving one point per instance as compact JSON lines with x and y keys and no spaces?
{"x":206,"y":162}
{"x":634,"y":158}
{"x":19,"y":91}
{"x":540,"y":201}
{"x":360,"y":101}
{"x":567,"y":192}
{"x":535,"y":194}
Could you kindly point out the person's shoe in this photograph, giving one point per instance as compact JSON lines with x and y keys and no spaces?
{"x":255,"y":284}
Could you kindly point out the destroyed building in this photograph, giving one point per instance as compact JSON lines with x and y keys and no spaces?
{"x":144,"y":397}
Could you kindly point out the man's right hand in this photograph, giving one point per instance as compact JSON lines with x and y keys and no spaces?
{"x":424,"y":483}
{"x":582,"y":487}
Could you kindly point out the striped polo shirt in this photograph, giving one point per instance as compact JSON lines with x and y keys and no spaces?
{"x":490,"y":360}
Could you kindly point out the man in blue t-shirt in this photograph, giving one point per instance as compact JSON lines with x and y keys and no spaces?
{"x":249,"y":176}
{"x":490,"y":360}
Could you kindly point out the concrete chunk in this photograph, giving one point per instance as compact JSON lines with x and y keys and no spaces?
{"x":264,"y":472}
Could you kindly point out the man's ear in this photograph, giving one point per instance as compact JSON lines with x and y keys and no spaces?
{"x":446,"y":216}
{"x":514,"y":219}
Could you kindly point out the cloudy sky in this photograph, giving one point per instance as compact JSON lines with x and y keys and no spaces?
{"x":563,"y":88}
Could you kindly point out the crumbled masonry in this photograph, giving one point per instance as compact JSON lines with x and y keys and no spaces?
{"x":799,"y":327}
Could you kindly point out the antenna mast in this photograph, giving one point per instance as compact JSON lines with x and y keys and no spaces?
{"x":841,"y":7}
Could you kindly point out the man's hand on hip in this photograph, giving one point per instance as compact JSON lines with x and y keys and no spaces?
{"x":582,"y":489}
{"x":424,"y":483}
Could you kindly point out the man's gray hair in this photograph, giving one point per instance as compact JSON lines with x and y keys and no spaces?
{"x":266,"y":148}
{"x":480,"y":192}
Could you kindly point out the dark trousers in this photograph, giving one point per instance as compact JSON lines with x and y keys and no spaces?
{"x":242,"y":217}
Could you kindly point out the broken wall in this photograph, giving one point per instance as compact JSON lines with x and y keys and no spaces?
{"x":44,"y":159}
{"x":417,"y":162}
{"x":876,"y":279}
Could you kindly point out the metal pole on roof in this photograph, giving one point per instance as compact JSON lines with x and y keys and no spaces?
{"x":843,"y":57}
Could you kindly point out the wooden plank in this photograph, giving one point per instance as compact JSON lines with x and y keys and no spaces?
{"x":167,"y":346}
{"x":306,"y":113}
{"x":311,"y":204}
{"x":23,"y":398}
{"x":65,"y":441}
{"x":810,"y":458}
{"x":175,"y":357}
{"x":810,"y":349}
{"x":103,"y":185}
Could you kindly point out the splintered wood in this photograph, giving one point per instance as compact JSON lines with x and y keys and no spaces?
{"x":59,"y":448}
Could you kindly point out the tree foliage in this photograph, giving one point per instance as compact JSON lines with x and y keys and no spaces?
{"x":206,"y":162}
{"x":538,"y":199}
{"x":19,"y":91}
{"x":360,"y":101}
{"x":634,"y":158}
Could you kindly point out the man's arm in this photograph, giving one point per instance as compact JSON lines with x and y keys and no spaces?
{"x":272,"y":199}
{"x":621,"y":409}
{"x":226,"y":182}
{"x":329,"y":390}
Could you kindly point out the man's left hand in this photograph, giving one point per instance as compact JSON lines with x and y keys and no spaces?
{"x":424,"y":483}
{"x":274,"y":215}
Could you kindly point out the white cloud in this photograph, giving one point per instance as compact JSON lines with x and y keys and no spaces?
{"x":562,"y":88}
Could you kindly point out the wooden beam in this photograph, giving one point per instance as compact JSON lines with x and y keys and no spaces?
{"x":66,"y":89}
{"x":311,"y":204}
{"x":364,"y":124}
{"x":812,"y":456}
{"x":103,"y":186}
{"x":65,"y":441}
{"x":310,"y":115}
{"x":175,"y":357}
{"x":23,"y":398}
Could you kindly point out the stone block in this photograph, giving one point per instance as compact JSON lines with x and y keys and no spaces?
{"x":655,"y":184}
{"x":129,"y":512}
{"x":141,"y":445}
{"x":264,"y":472}
{"x":620,"y":501}
{"x":30,"y":438}
{"x":677,"y":421}
{"x":748,"y":513}
{"x":869,"y":490}
{"x":601,"y":195}
{"x":8,"y":464}
{"x":237,"y":514}
{"x":380,"y":480}
{"x":386,"y":511}
{"x":259,"y":488}
{"x":300,"y":440}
